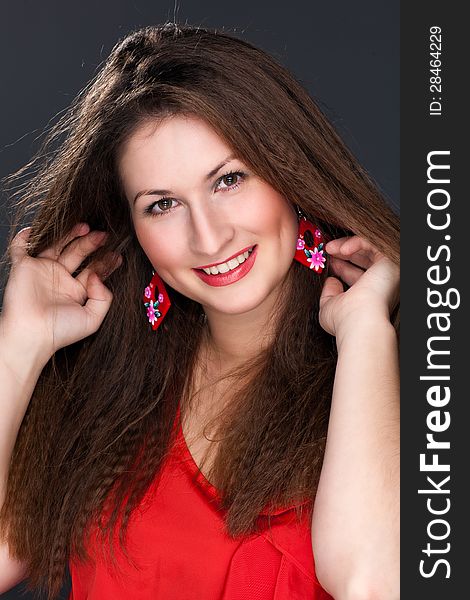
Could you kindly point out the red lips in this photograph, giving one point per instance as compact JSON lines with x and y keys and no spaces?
{"x":231,"y":276}
{"x":226,"y":260}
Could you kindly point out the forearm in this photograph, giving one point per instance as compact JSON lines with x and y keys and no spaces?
{"x":20,"y":367}
{"x":355,"y":526}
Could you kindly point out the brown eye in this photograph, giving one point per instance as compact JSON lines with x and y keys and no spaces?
{"x":163,"y":204}
{"x":229,"y":179}
{"x":160,"y":207}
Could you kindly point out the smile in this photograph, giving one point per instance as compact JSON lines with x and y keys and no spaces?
{"x":228,"y":272}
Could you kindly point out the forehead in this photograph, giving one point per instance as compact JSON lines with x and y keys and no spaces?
{"x":164,"y":153}
{"x":174,"y":138}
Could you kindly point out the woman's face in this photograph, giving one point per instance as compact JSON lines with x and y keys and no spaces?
{"x":188,"y":213}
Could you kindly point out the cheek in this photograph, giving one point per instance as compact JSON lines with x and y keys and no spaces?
{"x":276,"y":217}
{"x":161,"y":253}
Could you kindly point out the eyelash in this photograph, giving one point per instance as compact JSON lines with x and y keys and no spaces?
{"x":149,"y":208}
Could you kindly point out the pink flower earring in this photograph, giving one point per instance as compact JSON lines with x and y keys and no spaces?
{"x":156,"y":300}
{"x":310,"y":245}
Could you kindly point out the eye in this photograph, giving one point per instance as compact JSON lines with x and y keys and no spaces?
{"x":232,"y":180}
{"x":164,"y":204}
{"x":229,"y":178}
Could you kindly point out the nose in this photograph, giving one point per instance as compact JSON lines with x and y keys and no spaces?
{"x":211,"y":232}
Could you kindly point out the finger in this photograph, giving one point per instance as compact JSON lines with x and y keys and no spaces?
{"x":360,"y":245}
{"x":348,"y":272}
{"x":334,"y":246}
{"x":19,"y":245}
{"x":354,"y":249}
{"x":102,"y":268}
{"x":98,"y":303}
{"x":73,"y":256}
{"x":360,"y":259}
{"x":54,"y":251}
{"x":332,"y":287}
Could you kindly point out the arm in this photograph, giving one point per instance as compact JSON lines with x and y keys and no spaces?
{"x":355,"y":524}
{"x":65,"y":309}
{"x":19,"y":371}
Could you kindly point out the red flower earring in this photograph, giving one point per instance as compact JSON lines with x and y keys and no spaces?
{"x":156,"y":300}
{"x":310,"y":245}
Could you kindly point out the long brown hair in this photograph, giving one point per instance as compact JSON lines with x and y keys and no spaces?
{"x":101,"y":400}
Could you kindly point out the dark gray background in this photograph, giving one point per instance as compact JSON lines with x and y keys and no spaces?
{"x":345,"y":53}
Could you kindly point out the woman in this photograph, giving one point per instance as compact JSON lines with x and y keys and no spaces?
{"x":275,"y":381}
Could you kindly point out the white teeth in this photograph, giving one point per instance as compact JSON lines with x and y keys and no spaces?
{"x":230,"y":265}
{"x":233,"y":263}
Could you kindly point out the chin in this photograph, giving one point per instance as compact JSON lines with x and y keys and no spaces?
{"x":237,"y":298}
{"x":239,"y":303}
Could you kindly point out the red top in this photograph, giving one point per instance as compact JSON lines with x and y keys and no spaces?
{"x":177,"y":540}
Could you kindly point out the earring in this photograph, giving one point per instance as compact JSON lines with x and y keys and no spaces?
{"x":310,"y":244}
{"x":156,"y":300}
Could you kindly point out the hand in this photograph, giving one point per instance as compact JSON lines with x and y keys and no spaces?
{"x":373,"y":281}
{"x":44,"y":306}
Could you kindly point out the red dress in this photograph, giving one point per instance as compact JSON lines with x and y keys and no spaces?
{"x":178,"y":541}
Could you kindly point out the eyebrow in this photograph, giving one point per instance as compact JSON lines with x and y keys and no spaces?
{"x":166,"y":192}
